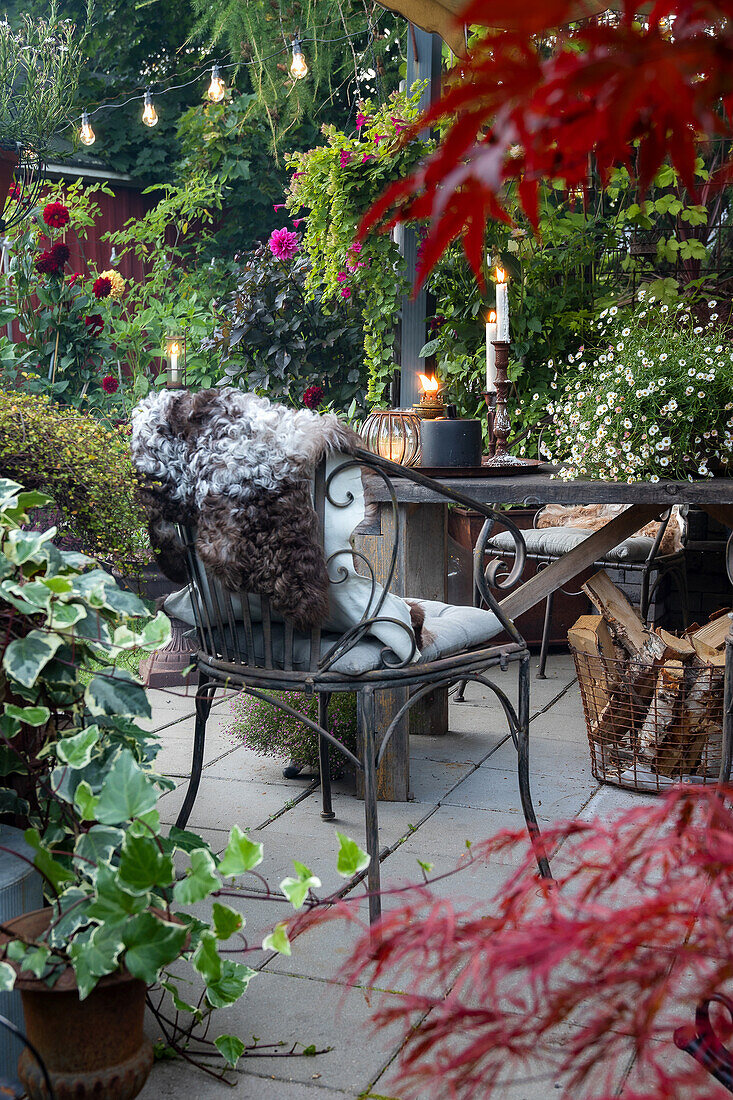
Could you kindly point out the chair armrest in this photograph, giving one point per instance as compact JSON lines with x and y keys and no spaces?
{"x":484,"y":579}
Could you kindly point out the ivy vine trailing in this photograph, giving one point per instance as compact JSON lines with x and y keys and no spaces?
{"x":337,"y":183}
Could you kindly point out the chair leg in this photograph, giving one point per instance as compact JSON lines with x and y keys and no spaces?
{"x":366,"y":732}
{"x":523,"y":771}
{"x":204,"y":700}
{"x":324,"y":758}
{"x":545,"y":636}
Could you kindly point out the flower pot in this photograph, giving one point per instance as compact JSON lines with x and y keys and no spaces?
{"x":93,"y":1049}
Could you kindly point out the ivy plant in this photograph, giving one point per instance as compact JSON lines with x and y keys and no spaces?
{"x":78,"y":768}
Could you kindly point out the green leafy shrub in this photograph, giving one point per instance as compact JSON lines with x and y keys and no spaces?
{"x":84,"y":465}
{"x":273,"y":732}
{"x":70,"y":735}
{"x":275,"y":341}
{"x":655,"y":400}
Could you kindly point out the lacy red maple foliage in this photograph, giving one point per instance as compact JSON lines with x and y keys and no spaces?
{"x":530,"y":105}
{"x":580,"y":974}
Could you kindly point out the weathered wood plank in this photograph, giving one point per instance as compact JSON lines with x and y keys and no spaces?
{"x":562,"y":571}
{"x":538,"y":489}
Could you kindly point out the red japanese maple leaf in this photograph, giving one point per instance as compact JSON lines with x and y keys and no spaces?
{"x":532,"y":104}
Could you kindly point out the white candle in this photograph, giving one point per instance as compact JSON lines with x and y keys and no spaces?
{"x":491,"y":353}
{"x":502,"y":306}
{"x":174,"y":374}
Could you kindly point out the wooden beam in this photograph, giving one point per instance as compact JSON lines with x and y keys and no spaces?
{"x":590,"y":550}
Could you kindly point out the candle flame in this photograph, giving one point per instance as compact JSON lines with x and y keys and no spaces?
{"x":429,"y":385}
{"x":500,"y":275}
{"x":175,"y":349}
{"x":492,"y":317}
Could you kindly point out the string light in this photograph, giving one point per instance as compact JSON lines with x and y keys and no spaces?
{"x":150,"y":115}
{"x":217,"y":87}
{"x":86,"y":134}
{"x":298,"y":67}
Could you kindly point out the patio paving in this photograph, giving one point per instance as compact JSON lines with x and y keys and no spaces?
{"x":464,"y":787}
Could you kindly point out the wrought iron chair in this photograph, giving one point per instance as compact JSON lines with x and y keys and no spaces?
{"x":259,"y":654}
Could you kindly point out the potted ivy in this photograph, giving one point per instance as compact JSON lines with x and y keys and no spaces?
{"x":78,"y":770}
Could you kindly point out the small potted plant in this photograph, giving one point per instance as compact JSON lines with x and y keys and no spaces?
{"x":78,"y":772}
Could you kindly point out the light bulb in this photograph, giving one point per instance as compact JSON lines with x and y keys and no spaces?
{"x":216,"y":88}
{"x":86,"y":134}
{"x":298,"y":67}
{"x":150,"y":115}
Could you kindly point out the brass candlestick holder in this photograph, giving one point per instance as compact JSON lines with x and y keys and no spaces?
{"x":501,"y":424}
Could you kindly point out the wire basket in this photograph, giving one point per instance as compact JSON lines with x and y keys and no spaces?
{"x":651,"y":726}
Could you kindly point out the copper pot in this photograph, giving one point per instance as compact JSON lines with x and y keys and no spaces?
{"x":92,"y":1049}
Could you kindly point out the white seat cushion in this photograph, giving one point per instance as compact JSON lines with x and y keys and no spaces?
{"x":556,"y":541}
{"x":448,"y":629}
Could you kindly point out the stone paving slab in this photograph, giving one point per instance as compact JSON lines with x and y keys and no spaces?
{"x":465,"y":787}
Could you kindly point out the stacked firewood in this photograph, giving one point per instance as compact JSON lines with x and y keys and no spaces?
{"x":653,"y":701}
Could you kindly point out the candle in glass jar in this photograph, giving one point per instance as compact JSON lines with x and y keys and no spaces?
{"x":502,"y":306}
{"x":491,"y":353}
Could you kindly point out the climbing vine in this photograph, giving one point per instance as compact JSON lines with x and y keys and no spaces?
{"x":333,"y":185}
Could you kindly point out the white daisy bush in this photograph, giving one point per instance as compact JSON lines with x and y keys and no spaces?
{"x":655,"y":400}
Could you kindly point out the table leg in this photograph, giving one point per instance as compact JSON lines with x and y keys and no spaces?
{"x":421,"y":570}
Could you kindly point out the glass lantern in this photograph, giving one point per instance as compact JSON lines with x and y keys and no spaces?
{"x":175,"y":353}
{"x":393,"y":434}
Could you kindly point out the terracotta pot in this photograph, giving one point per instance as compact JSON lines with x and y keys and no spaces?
{"x":94,"y":1049}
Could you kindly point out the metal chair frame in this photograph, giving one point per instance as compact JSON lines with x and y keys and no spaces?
{"x":227,"y":657}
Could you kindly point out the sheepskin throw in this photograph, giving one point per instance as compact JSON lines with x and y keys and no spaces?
{"x":239,"y":469}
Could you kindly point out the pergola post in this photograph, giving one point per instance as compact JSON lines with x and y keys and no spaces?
{"x":423,"y":63}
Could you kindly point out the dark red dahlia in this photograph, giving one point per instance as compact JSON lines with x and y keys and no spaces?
{"x":313,"y":397}
{"x":94,"y":324}
{"x":102,"y":287}
{"x":56,"y":215}
{"x":52,"y":261}
{"x":110,"y":384}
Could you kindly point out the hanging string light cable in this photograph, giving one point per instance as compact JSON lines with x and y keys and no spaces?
{"x":298,"y":69}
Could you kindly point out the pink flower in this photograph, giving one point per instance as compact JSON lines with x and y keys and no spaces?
{"x":283,"y":244}
{"x":361,"y":120}
{"x":345,"y":157}
{"x":298,"y":221}
{"x":346,"y":292}
{"x":342,"y":277}
{"x":356,"y":246}
{"x":378,"y":138}
{"x":279,"y":206}
{"x":398,"y":123}
{"x":367,"y":156}
{"x":352,"y":265}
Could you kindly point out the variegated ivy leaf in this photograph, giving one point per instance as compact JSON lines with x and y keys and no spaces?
{"x":296,"y":889}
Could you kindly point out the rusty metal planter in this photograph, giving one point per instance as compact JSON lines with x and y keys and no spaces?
{"x":94,"y":1049}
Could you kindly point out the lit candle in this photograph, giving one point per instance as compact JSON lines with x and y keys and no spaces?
{"x":502,"y":306}
{"x":174,"y":373}
{"x":490,"y":352}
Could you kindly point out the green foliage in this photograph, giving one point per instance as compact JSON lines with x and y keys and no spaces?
{"x":84,"y":465}
{"x":275,"y":340}
{"x":338,"y":43}
{"x":39,"y":72}
{"x":79,"y":768}
{"x":228,"y":142}
{"x":338,"y":182}
{"x":657,"y":401}
{"x":273,"y":732}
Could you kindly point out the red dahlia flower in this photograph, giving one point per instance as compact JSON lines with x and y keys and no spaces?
{"x":102,"y":287}
{"x":313,"y":396}
{"x":52,"y":261}
{"x":94,"y":324}
{"x":56,"y":215}
{"x":110,"y":384}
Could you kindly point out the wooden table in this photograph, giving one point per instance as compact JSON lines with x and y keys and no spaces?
{"x":422,"y":519}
